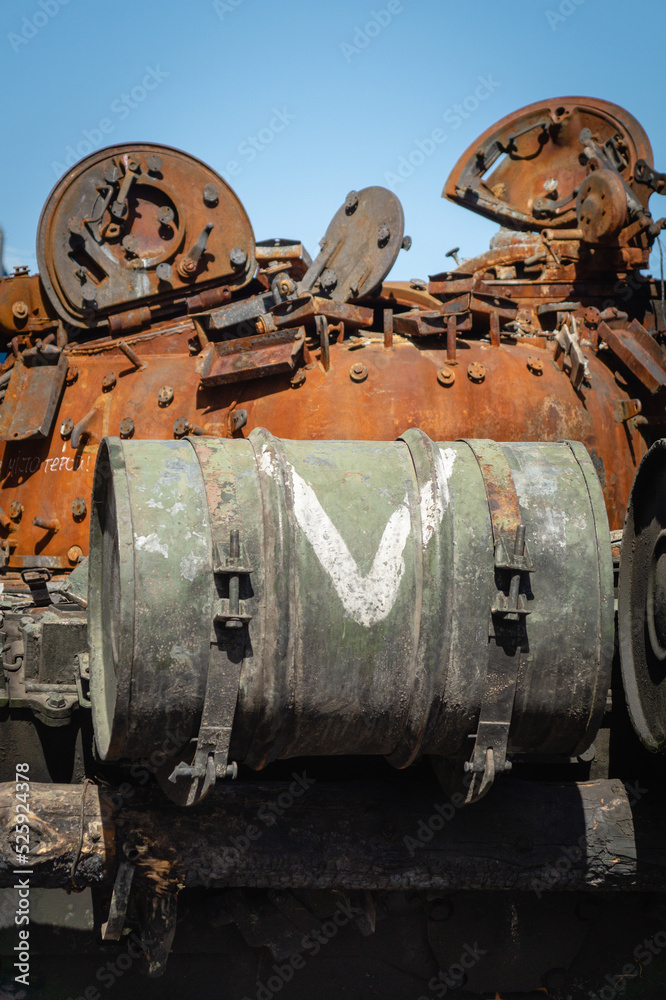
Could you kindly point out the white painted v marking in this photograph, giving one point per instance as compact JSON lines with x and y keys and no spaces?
{"x":367,"y":599}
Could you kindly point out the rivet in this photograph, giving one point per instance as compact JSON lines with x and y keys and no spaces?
{"x":74,"y":553}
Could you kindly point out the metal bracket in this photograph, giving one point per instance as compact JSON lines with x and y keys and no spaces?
{"x":211,"y":757}
{"x":508,"y":615}
{"x":113,"y":928}
{"x":37,"y":580}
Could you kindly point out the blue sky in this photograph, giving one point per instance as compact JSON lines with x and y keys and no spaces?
{"x":296,"y":103}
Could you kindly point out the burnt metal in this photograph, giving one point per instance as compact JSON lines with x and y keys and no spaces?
{"x":539,"y":164}
{"x":336,"y":836}
{"x":351,"y":262}
{"x":33,"y":394}
{"x":250,"y":357}
{"x":109,"y":224}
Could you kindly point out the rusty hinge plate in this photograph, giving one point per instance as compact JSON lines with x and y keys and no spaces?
{"x":32,"y":395}
{"x":250,"y":357}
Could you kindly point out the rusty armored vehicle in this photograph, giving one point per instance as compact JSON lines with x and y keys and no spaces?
{"x":313,"y":663}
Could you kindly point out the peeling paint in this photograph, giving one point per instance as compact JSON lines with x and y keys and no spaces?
{"x":151,"y":543}
{"x":435,"y":496}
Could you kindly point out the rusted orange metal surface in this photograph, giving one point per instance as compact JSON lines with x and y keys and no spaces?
{"x":548,"y":335}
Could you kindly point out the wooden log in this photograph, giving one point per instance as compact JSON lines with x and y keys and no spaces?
{"x":356,"y":835}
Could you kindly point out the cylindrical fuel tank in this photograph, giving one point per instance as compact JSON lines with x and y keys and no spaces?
{"x":385,"y":590}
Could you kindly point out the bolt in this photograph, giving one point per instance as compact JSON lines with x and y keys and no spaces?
{"x":16,"y":510}
{"x":79,"y":508}
{"x":358,"y":372}
{"x":351,"y":203}
{"x":328,"y":280}
{"x":211,"y":195}
{"x":20,"y":309}
{"x":55,"y":701}
{"x":47,"y":523}
{"x":237,"y":419}
{"x":165,"y":215}
{"x":134,"y":166}
{"x":454,"y":253}
{"x":126,"y":427}
{"x":467,"y":766}
{"x":164,"y":271}
{"x":237,"y":257}
{"x":154,"y":163}
{"x":181,"y":427}
{"x":476,"y":372}
{"x":81,"y":274}
{"x":111,"y":174}
{"x":535,"y":365}
{"x":383,"y":234}
{"x":406,"y":243}
{"x":445,"y":376}
{"x":165,"y":395}
{"x":72,"y":375}
{"x":109,"y":381}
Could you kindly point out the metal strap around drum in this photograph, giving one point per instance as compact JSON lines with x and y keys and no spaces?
{"x":507,"y":617}
{"x":211,"y":759}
